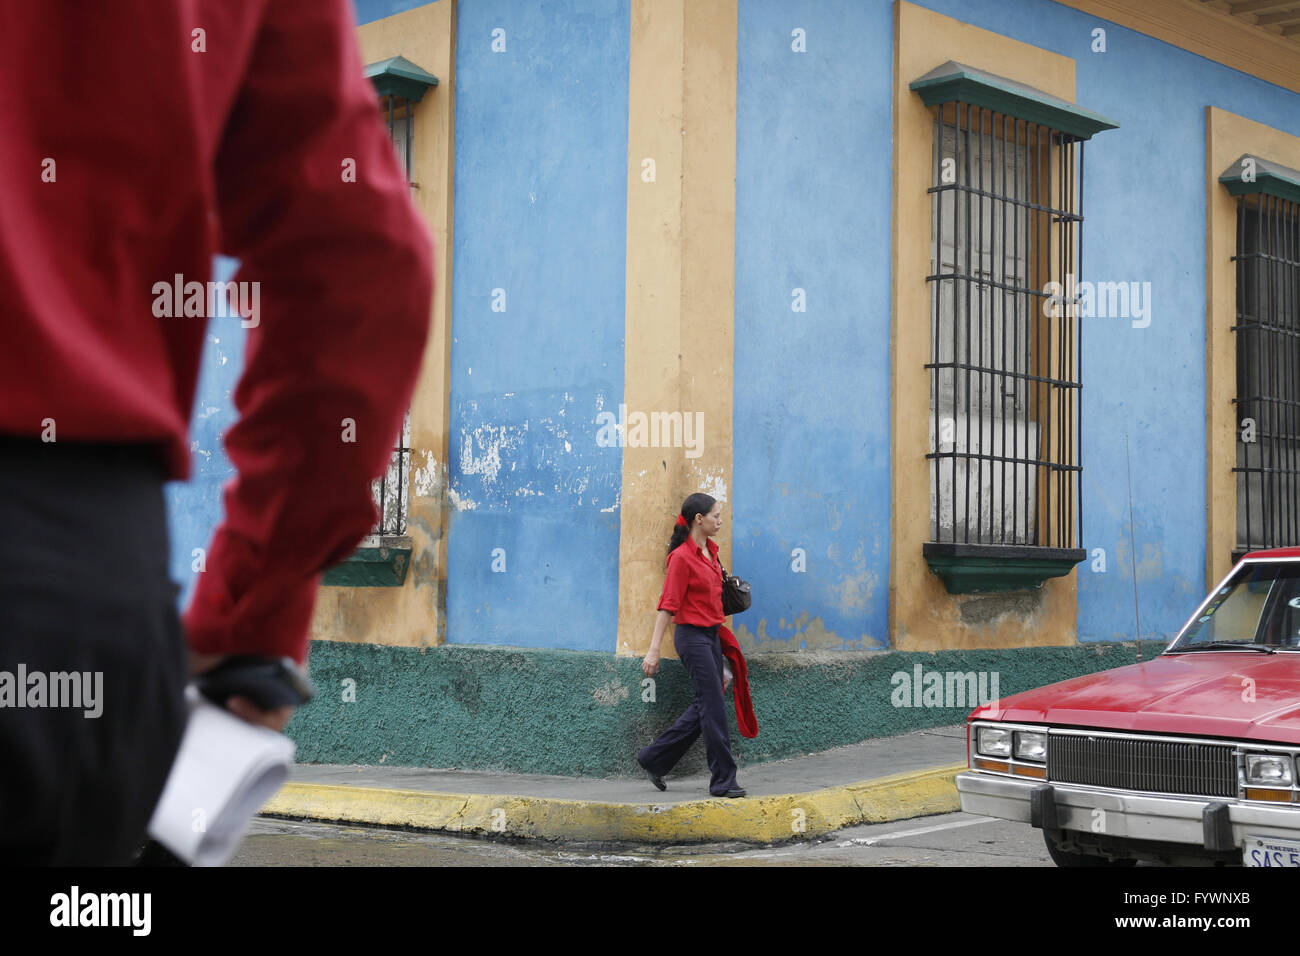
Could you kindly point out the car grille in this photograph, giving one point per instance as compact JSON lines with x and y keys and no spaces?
{"x":1138,"y":763}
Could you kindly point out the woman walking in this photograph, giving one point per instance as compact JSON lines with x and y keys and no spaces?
{"x":692,"y":597}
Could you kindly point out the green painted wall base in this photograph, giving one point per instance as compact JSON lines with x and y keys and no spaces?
{"x":579,"y":713}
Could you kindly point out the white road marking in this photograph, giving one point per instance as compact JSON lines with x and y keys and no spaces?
{"x":872,"y":841}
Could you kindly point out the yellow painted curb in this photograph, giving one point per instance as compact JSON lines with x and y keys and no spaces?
{"x":764,"y":819}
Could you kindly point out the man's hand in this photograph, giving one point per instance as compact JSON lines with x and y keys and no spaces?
{"x":245,"y":709}
{"x":241,"y":707}
{"x":650,"y":665}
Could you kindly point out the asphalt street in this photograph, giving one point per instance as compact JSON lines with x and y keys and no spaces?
{"x":955,"y":839}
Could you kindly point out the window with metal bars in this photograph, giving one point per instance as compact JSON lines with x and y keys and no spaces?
{"x":1004,"y":369}
{"x":384,"y":556}
{"x":1267,"y":334}
{"x":390,"y":489}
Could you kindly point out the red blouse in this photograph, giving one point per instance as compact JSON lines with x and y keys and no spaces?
{"x":693,"y":586}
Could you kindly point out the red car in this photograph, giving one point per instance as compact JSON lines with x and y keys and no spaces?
{"x":1192,"y":757}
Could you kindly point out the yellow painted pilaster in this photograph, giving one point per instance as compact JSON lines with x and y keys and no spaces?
{"x":413,"y":615}
{"x":680,"y":280}
{"x":1227,"y":137}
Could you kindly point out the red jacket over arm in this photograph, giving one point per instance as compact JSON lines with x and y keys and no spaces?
{"x":164,"y":155}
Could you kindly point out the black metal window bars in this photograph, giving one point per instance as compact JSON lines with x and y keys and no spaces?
{"x":1006,"y":221}
{"x":390,"y":489}
{"x":1268,"y":373}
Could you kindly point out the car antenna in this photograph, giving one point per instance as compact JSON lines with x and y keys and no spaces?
{"x":1132,"y":537}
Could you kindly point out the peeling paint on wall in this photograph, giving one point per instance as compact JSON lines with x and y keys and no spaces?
{"x":460,"y":503}
{"x":511,"y":453}
{"x":854,"y":592}
{"x":480,"y":451}
{"x":810,"y":634}
{"x":711,"y":482}
{"x":429,"y":477}
{"x":988,"y":610}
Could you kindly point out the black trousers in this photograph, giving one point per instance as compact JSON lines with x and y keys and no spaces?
{"x":87,"y":612}
{"x":701,"y":652}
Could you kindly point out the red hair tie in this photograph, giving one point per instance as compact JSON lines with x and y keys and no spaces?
{"x":681,"y":521}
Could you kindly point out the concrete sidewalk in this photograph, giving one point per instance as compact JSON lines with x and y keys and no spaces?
{"x":891,"y":778}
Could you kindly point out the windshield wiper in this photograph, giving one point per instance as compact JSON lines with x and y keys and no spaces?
{"x":1222,"y":645}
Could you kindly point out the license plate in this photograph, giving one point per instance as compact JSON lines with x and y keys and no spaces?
{"x":1270,"y":851}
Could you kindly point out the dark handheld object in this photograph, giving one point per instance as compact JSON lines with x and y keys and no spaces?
{"x":269,"y":682}
{"x":735,"y":594}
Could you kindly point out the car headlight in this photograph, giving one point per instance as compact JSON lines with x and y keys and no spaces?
{"x":1269,"y":770}
{"x":1031,"y":745}
{"x":993,"y":742}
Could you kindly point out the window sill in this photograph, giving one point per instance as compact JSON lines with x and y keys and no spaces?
{"x":380,"y":561}
{"x":985,"y":568}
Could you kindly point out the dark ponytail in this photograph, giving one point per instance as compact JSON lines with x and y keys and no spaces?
{"x":697,"y":504}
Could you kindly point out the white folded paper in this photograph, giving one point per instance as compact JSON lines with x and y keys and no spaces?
{"x":225,"y":771}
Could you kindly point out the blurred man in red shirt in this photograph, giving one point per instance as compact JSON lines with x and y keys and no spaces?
{"x":141,"y":138}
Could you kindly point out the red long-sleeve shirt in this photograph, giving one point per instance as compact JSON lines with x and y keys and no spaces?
{"x":692,"y":590}
{"x":137,"y":139}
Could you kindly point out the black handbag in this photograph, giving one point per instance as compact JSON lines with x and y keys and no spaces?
{"x":735,"y":594}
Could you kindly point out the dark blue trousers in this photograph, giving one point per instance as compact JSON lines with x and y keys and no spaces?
{"x":701,"y":652}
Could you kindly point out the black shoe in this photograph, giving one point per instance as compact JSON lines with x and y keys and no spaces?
{"x":657,"y":780}
{"x":732,"y":794}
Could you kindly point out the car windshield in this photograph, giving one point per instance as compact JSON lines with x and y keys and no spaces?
{"x":1259,"y":606}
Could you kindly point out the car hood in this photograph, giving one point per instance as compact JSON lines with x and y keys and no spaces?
{"x":1241,"y":694}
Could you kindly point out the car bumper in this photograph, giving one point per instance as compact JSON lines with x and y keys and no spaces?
{"x":1209,"y":822}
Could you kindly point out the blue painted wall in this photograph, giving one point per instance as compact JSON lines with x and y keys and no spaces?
{"x":811,"y":459}
{"x":194,"y":508}
{"x":811,"y":412}
{"x":367,"y":10}
{"x":1144,"y":212}
{"x":541,"y":214}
